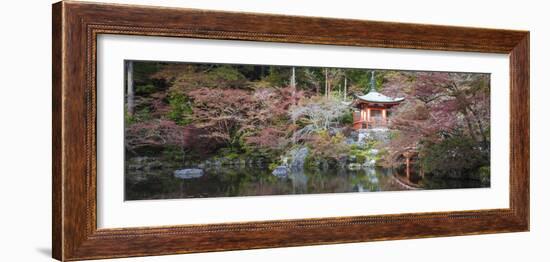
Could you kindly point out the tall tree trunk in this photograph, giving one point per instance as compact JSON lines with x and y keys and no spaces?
{"x":293,"y":78}
{"x":345,"y":88}
{"x":293,"y":84}
{"x":327,"y":83}
{"x":130,"y":87}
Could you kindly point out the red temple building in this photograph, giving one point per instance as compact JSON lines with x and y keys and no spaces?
{"x":372,"y":109}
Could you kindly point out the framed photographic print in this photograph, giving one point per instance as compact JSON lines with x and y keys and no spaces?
{"x":182,"y":130}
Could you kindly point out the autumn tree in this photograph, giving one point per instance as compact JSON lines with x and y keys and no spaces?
{"x":444,"y":103}
{"x":236,"y":116}
{"x":153,"y":135}
{"x":222,"y":113}
{"x":272,"y":125}
{"x":317,"y":114}
{"x":440,"y":110}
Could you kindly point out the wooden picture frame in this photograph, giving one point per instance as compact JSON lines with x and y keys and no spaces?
{"x":76,"y":26}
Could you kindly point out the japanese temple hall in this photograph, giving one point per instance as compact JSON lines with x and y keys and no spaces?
{"x":372,"y":109}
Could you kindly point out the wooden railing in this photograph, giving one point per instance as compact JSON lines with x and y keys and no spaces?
{"x":363,"y":124}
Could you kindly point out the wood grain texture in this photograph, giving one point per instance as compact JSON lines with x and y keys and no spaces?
{"x":519,"y":129}
{"x":57,"y":195}
{"x":76,"y":26}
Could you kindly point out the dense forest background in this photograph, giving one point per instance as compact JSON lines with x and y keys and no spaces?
{"x":192,"y":112}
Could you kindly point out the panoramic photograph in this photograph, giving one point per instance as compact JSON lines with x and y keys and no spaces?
{"x":202,"y":130}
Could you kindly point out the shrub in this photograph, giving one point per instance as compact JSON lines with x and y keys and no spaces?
{"x":180,"y":108}
{"x":485,"y":175}
{"x":173,"y":153}
{"x":142,"y":115}
{"x":153,"y":136}
{"x":360,"y":158}
{"x":347,"y":118}
{"x":272,"y":166}
{"x":454,"y":157}
{"x":362,"y":152}
{"x":145,"y":89}
{"x":226,"y":76}
{"x":327,"y":148}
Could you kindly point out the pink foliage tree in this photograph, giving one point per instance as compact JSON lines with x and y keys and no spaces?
{"x":236,"y":116}
{"x":437,"y":105}
{"x":154,"y":133}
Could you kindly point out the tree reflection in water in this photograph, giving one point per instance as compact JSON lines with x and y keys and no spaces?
{"x":244,"y":181}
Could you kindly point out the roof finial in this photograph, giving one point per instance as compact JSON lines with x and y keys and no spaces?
{"x":372,"y":84}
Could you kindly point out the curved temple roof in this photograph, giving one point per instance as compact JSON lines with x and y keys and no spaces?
{"x":375,"y":97}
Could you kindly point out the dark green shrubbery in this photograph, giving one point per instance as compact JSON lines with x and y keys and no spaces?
{"x":145,"y":89}
{"x":180,"y":108}
{"x":141,"y":115}
{"x":347,"y":118}
{"x":485,"y":175}
{"x":226,"y":76}
{"x":456,"y":157}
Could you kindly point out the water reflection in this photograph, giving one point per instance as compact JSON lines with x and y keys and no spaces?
{"x":244,"y":181}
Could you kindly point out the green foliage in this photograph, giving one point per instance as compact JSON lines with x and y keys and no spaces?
{"x":255,"y":152}
{"x":485,"y":175}
{"x":360,"y":158}
{"x":347,"y":118}
{"x":229,"y":153}
{"x":359,"y":153}
{"x":144,"y":83}
{"x":278,"y":76}
{"x":128,"y":119}
{"x":362,"y":152}
{"x":261,"y":84}
{"x":359,"y":77}
{"x":142,"y":115}
{"x":144,"y":69}
{"x":309,"y":162}
{"x":145,"y":89}
{"x":394,"y":134}
{"x":232,"y":155}
{"x":173,"y":153}
{"x":362,"y":78}
{"x":185,"y":78}
{"x":180,"y":108}
{"x":325,"y":147}
{"x":251,"y":72}
{"x":454,"y":157}
{"x":228,"y":75}
{"x":272,"y":166}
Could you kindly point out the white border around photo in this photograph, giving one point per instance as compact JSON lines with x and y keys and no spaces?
{"x":114,"y":212}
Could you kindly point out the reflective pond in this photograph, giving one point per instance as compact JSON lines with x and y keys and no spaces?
{"x":229,"y":181}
